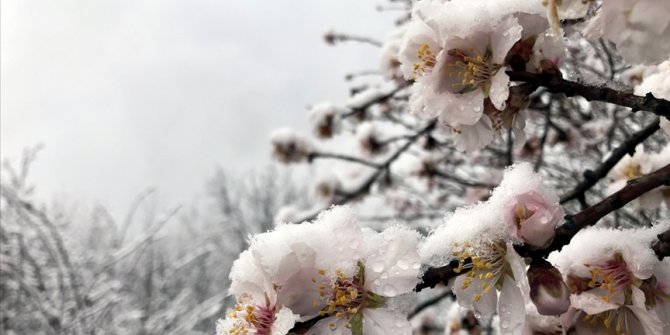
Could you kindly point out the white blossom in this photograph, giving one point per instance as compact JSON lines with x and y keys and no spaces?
{"x":458,"y":61}
{"x":607,"y":271}
{"x":289,"y":147}
{"x":326,"y":119}
{"x":531,"y":210}
{"x":639,"y":28}
{"x":641,"y":163}
{"x":657,"y":83}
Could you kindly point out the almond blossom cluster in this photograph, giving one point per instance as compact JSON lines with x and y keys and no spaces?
{"x":426,"y":142}
{"x":640,"y":29}
{"x":617,"y":284}
{"x":637,"y":165}
{"x":481,"y":237}
{"x":330,"y":269}
{"x":335,"y":277}
{"x":458,"y":60}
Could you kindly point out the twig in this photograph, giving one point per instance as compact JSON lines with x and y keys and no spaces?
{"x":381,"y":168}
{"x":543,"y":140}
{"x":590,"y":216}
{"x":362,"y":108}
{"x":554,"y":83}
{"x":317,"y":155}
{"x":334,"y":37}
{"x":442,"y":274}
{"x":627,"y":147}
{"x":430,"y":302}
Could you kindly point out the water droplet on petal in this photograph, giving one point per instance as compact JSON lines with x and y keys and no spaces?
{"x":389,"y":290}
{"x":403,"y":264}
{"x":378,"y":267}
{"x":416,"y":266}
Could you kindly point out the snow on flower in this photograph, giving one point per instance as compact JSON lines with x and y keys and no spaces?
{"x":286,"y":214}
{"x":639,"y":28}
{"x":458,"y":62}
{"x":565,"y":9}
{"x":331,"y":269}
{"x":327,"y":187}
{"x":422,"y":43}
{"x":326,"y":119}
{"x":607,"y":272}
{"x":473,"y":237}
{"x":494,"y":275}
{"x":639,"y":164}
{"x":657,"y":83}
{"x":389,"y":63}
{"x":353,"y":299}
{"x":257,"y":310}
{"x":531,"y":210}
{"x":540,"y":324}
{"x":369,"y":139}
{"x":289,"y":147}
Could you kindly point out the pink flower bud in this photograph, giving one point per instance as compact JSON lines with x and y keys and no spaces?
{"x":547,"y":289}
{"x":530,"y":219}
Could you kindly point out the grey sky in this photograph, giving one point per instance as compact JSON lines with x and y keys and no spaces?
{"x":128,"y":94}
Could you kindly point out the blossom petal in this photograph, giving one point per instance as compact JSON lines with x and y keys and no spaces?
{"x":284,"y":321}
{"x":499,"y":91}
{"x":512,"y":318}
{"x":331,"y":326}
{"x":392,"y":268}
{"x":591,"y":303}
{"x":381,"y":321}
{"x":505,"y":34}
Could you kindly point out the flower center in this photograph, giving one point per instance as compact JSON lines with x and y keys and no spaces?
{"x":613,"y":276}
{"x":251,"y":319}
{"x":486,"y":265}
{"x":343,"y":297}
{"x":472,"y":69}
{"x":632,"y":171}
{"x":521,"y":214}
{"x":427,"y":60}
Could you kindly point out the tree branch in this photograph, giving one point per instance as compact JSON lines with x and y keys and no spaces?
{"x":441,"y":275}
{"x":381,"y":168}
{"x":556,"y":84}
{"x":590,"y":216}
{"x":316,"y":155}
{"x":627,"y":147}
{"x":662,"y":246}
{"x":363,"y":107}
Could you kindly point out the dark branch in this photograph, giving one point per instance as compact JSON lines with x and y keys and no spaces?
{"x":381,"y":168}
{"x":381,"y":98}
{"x":441,"y":275}
{"x":430,"y":302}
{"x":662,"y":246}
{"x":556,"y":84}
{"x":316,"y":155}
{"x":591,"y":177}
{"x":590,"y":216}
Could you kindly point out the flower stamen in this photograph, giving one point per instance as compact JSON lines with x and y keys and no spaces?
{"x":427,"y":58}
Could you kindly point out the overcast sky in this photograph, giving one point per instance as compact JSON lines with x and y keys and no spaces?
{"x":128,"y":94}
